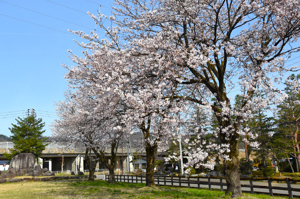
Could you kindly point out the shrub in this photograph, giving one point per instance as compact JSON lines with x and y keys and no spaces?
{"x":268,"y":172}
{"x":192,"y":171}
{"x":246,"y":167}
{"x":219,"y":168}
{"x":284,"y":167}
{"x":139,"y":172}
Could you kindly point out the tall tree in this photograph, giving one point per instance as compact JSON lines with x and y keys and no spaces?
{"x":289,"y":119}
{"x":27,"y":135}
{"x":195,"y":50}
{"x":94,"y":122}
{"x":202,"y":45}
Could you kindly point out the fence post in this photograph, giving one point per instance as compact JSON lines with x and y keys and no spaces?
{"x":251,"y":185}
{"x":221,"y":183}
{"x":157,"y":180}
{"x":189,"y":182}
{"x":288,"y":182}
{"x":172,"y":181}
{"x":127,"y":178}
{"x":270,"y":186}
{"x":198,"y":181}
{"x":179,"y":181}
{"x":136,"y":179}
{"x":209,"y":185}
{"x":132,"y":179}
{"x":117,"y":178}
{"x":141,"y":178}
{"x":165,"y":183}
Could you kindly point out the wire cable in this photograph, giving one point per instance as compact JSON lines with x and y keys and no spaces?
{"x":66,"y":7}
{"x":98,"y":4}
{"x":45,"y":14}
{"x":36,"y":24}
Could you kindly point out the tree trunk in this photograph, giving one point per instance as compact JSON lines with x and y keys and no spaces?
{"x":92,"y":175}
{"x":232,"y":170}
{"x":111,"y":175}
{"x":151,"y":152}
{"x":290,"y":164}
{"x":109,"y":163}
{"x":297,"y":155}
{"x":91,"y":165}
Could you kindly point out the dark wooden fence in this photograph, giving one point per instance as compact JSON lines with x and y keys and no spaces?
{"x":265,"y":187}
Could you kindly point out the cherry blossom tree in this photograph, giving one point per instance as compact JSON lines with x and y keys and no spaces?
{"x":147,"y":104}
{"x":207,"y":48}
{"x":162,"y":53}
{"x":95,"y":123}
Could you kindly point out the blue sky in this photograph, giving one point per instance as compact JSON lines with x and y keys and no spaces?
{"x":33,"y":45}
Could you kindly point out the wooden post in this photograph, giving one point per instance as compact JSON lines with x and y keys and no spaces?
{"x":157,"y":180}
{"x":251,"y":185}
{"x":136,"y":179}
{"x":189,"y":182}
{"x":198,"y":181}
{"x":165,"y":183}
{"x":141,"y":179}
{"x":128,"y":178}
{"x":209,"y":185}
{"x":171,"y":181}
{"x":288,"y":182}
{"x":270,"y":186}
{"x":221,"y":184}
{"x":132,"y":179}
{"x":179,"y":181}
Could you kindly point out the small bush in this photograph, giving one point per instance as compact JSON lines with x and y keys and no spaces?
{"x":192,"y":170}
{"x":246,"y":167}
{"x":219,"y":168}
{"x":257,"y":173}
{"x":268,"y":172}
{"x":139,"y":172}
{"x":284,"y":167}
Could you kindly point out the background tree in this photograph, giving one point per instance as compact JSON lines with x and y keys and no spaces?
{"x":289,"y":120}
{"x":93,"y":122}
{"x":27,"y":136}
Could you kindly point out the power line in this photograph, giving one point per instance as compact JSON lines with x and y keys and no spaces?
{"x":35,"y":24}
{"x":12,"y":111}
{"x":98,"y":4}
{"x":293,"y":59}
{"x":45,"y":14}
{"x":12,"y":116}
{"x":93,"y":2}
{"x":46,"y":111}
{"x":66,"y":7}
{"x":293,"y":63}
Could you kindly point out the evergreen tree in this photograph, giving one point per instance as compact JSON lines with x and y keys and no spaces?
{"x":289,"y":119}
{"x":263,"y":126}
{"x":27,"y":136}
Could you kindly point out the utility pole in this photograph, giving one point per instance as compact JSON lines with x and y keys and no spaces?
{"x":181,"y":159}
{"x":180,"y":148}
{"x":122,"y":160}
{"x":128,"y":159}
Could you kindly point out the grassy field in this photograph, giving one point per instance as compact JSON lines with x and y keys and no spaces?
{"x":101,"y":189}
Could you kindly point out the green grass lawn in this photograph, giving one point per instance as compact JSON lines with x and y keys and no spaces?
{"x":102,"y":189}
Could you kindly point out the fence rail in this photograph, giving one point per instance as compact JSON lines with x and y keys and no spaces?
{"x":250,"y":185}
